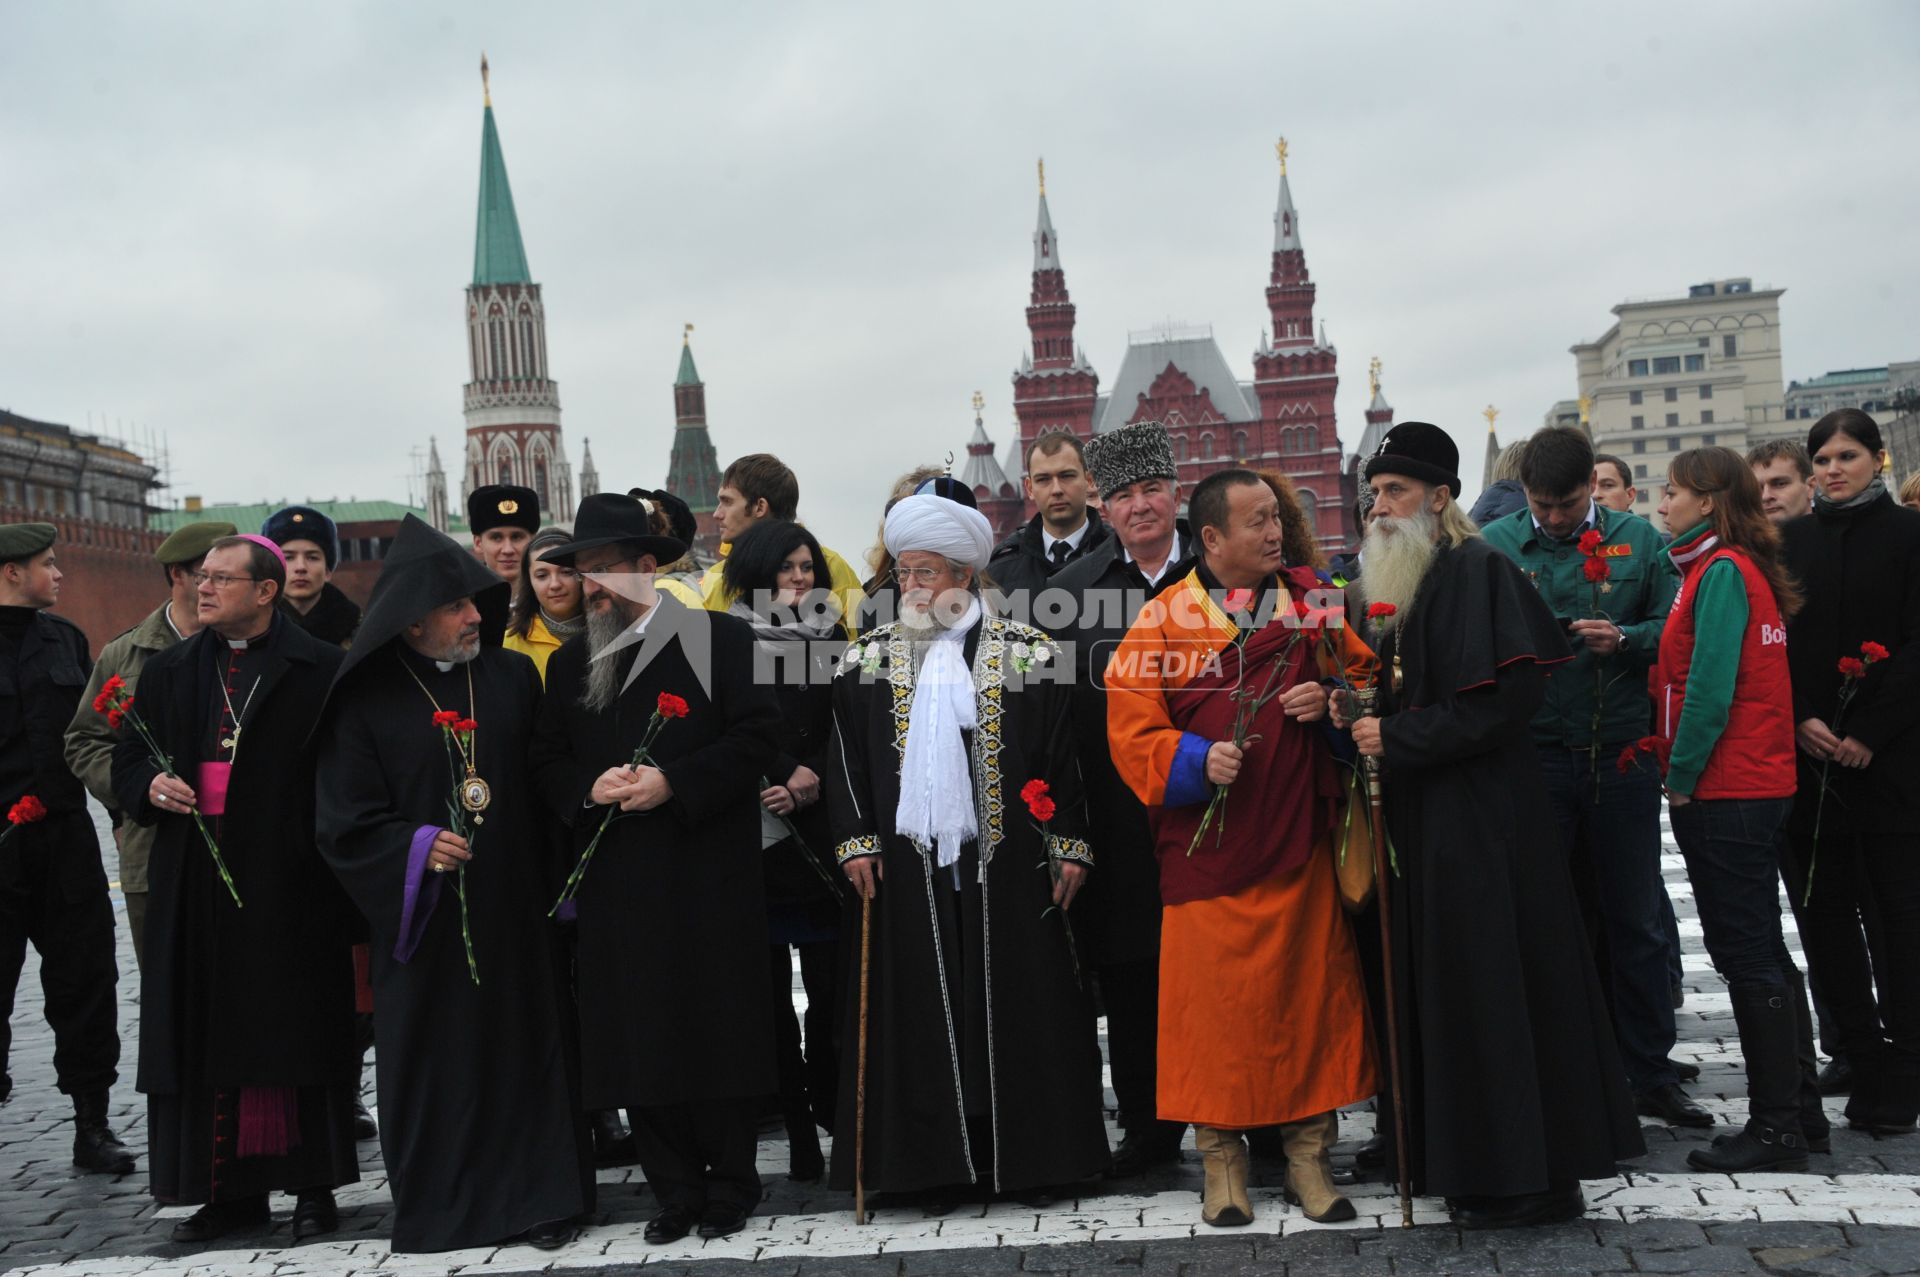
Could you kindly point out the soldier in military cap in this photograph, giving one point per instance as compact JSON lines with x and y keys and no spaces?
{"x":503,"y":517}
{"x":310,"y":543}
{"x":90,"y":740}
{"x":53,"y":888}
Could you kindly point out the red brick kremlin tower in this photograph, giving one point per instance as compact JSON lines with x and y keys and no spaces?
{"x":1283,"y":419}
{"x":512,"y":404}
{"x":1055,"y":387}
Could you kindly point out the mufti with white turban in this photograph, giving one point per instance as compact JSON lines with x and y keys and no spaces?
{"x":956,"y":805}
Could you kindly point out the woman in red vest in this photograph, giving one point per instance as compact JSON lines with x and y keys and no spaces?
{"x":1723,"y":704}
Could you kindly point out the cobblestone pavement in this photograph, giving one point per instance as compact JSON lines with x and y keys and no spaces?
{"x":1858,"y":1212}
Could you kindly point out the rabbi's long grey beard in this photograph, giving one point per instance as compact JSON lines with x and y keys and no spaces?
{"x":1395,"y":558}
{"x":604,"y":628}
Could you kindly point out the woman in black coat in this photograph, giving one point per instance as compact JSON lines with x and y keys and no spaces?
{"x":1857,"y":556}
{"x":773,"y":571}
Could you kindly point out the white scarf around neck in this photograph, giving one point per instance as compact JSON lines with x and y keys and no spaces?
{"x":936,"y":788}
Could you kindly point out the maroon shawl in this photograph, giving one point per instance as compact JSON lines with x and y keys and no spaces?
{"x":1283,"y":799}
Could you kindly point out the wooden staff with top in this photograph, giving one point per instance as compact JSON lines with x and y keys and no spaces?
{"x":1366,"y":700}
{"x":860,"y":1075}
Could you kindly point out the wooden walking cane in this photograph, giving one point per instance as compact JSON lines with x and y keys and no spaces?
{"x":1366,"y":699}
{"x":860,"y":1077}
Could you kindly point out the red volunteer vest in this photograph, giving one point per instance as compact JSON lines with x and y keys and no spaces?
{"x":1754,"y":755}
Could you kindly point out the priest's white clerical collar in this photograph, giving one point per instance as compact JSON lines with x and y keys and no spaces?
{"x":241,"y":645}
{"x":445,"y":667}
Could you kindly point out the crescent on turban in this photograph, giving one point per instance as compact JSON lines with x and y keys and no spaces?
{"x":939,"y":526}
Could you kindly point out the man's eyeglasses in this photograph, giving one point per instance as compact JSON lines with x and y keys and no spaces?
{"x":919,"y":576}
{"x":221,"y":580}
{"x":601,"y":569}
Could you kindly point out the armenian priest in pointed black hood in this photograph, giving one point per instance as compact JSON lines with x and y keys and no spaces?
{"x":427,"y":816}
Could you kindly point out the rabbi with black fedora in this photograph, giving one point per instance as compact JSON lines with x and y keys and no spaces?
{"x":676,"y":1018}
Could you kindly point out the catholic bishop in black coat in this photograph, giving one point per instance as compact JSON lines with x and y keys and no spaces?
{"x":983,"y":1067}
{"x":246,"y":1012}
{"x":676,"y":1017}
{"x":478,"y":1118}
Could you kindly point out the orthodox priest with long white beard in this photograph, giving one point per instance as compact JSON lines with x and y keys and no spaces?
{"x":983,"y":1067}
{"x":1514,"y":1090}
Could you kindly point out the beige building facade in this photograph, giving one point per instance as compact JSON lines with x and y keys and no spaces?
{"x":1683,"y":372}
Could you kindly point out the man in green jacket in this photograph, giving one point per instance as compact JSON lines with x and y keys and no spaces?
{"x":1604,"y":575}
{"x":89,"y":741}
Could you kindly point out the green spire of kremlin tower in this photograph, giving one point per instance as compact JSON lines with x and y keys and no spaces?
{"x":498,"y":256}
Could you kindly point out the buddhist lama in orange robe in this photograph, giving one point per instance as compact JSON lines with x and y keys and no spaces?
{"x":1263,"y":1018}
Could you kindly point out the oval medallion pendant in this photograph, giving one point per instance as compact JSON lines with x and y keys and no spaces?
{"x":474,"y":794}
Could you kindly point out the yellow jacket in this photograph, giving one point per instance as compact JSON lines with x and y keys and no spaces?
{"x":539,"y":644}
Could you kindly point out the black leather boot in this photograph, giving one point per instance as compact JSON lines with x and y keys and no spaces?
{"x":95,"y":1146}
{"x":1771,"y":1140}
{"x":314,"y":1213}
{"x":217,"y":1219}
{"x":1814,"y":1124}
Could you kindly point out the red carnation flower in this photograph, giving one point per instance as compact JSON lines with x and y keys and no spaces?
{"x":1590,"y":541}
{"x":1596,"y":570}
{"x":671,"y":706}
{"x":1654,"y":747}
{"x":445,"y":717}
{"x":1238,"y":600}
{"x":1042,"y":809}
{"x":1376,"y":611}
{"x":1873,"y":652}
{"x":466,"y":725}
{"x":115,"y":717}
{"x":1852,"y":666}
{"x":1033,"y":789}
{"x":28,"y":810}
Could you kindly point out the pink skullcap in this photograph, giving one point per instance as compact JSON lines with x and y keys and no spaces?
{"x":257,"y":540}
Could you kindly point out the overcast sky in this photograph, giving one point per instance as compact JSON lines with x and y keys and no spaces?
{"x":249,"y":226}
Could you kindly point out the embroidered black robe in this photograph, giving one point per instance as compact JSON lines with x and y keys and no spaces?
{"x":983,"y":1064}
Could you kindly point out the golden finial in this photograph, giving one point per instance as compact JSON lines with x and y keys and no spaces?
{"x":979,"y":403}
{"x":1490,"y":412}
{"x":686,"y":338}
{"x":1280,"y":149}
{"x":1373,"y":378}
{"x":486,"y":90}
{"x":1886,"y":463}
{"x":1043,"y":177}
{"x":1586,"y":409}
